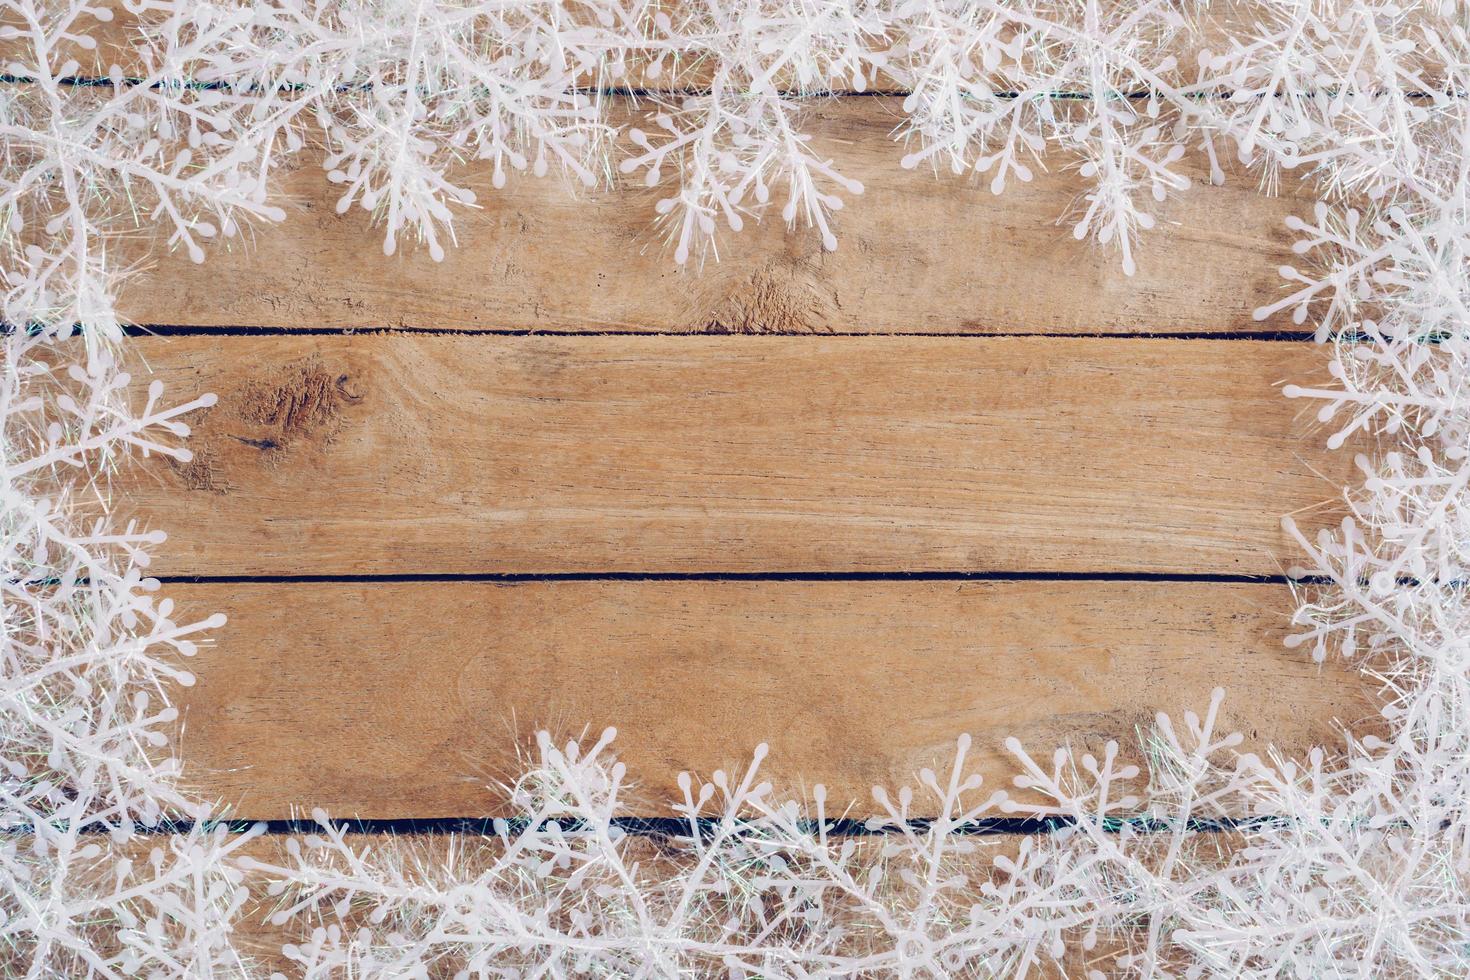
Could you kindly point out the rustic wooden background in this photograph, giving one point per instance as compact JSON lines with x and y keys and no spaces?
{"x":961,"y":475}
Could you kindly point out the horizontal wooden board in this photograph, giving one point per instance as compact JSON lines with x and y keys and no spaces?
{"x":399,"y":700}
{"x":371,"y":454}
{"x":917,"y":254}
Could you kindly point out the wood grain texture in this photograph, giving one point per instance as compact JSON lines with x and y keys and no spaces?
{"x":451,"y":454}
{"x":917,"y":254}
{"x":394,"y":454}
{"x":400,"y":700}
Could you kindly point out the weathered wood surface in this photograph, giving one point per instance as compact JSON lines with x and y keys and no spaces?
{"x":395,"y":454}
{"x":410,"y":699}
{"x":917,"y":254}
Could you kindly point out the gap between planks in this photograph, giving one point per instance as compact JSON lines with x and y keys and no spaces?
{"x":187,"y":330}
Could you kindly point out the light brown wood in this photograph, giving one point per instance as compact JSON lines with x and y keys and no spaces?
{"x":434,"y":454}
{"x":399,"y":700}
{"x":917,"y":254}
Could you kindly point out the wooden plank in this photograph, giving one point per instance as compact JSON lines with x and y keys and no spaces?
{"x":409,"y":700}
{"x":917,"y":254}
{"x":456,"y":454}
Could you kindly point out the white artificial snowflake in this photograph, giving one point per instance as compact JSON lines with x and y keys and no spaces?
{"x":1201,"y":860}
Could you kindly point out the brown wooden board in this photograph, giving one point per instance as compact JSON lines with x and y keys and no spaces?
{"x":394,"y":700}
{"x":335,"y":455}
{"x":917,"y":254}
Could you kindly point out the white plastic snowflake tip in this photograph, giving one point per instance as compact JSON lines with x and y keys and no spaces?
{"x":1352,"y":862}
{"x":88,"y":654}
{"x":745,"y":885}
{"x":984,"y":81}
{"x":734,"y":143}
{"x":403,"y":95}
{"x":86,"y":159}
{"x":1386,"y":280}
{"x":406,"y":93}
{"x":87,"y":658}
{"x":84,"y":643}
{"x":748,"y":884}
{"x":84,"y":906}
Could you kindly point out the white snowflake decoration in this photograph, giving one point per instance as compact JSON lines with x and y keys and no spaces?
{"x":1206,"y":860}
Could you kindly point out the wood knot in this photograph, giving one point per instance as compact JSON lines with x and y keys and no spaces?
{"x":297,"y":404}
{"x":309,"y":401}
{"x":199,"y":472}
{"x":773,"y":301}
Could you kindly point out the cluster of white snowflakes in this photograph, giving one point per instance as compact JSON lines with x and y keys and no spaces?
{"x":1355,"y":863}
{"x":413,"y":102}
{"x":86,"y":658}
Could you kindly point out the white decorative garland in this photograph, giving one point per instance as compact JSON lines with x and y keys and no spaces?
{"x":1356,"y":864}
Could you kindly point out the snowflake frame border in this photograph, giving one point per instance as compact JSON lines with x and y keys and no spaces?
{"x":1358,"y":859}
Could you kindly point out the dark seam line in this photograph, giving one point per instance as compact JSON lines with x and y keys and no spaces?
{"x":513,"y":578}
{"x":640,"y":92}
{"x":679,"y":827}
{"x":606,"y":91}
{"x":246,"y":330}
{"x":775,"y":576}
{"x":187,"y":330}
